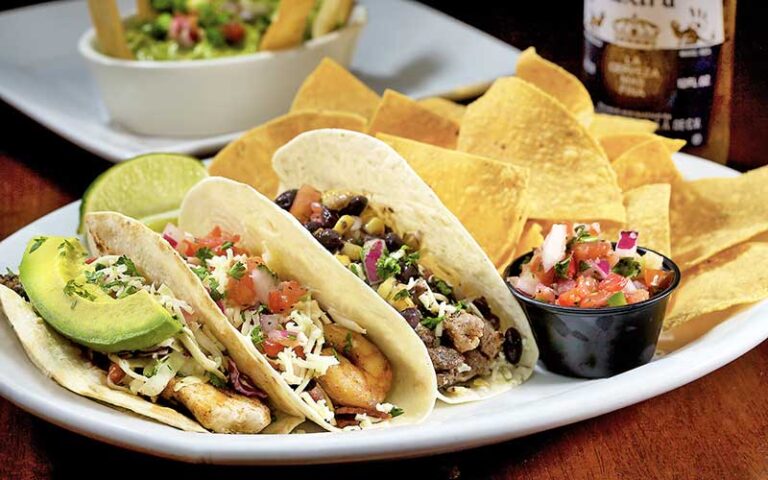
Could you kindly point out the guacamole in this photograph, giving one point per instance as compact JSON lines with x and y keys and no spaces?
{"x":199,"y":29}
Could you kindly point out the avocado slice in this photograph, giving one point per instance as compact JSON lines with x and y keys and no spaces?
{"x":52,"y":273}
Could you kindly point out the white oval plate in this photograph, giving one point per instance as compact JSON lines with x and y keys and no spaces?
{"x":546,"y":401}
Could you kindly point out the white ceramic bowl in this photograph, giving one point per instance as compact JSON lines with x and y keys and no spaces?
{"x":211,"y":97}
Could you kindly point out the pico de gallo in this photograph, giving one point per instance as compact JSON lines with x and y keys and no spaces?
{"x":281,"y":319}
{"x":463,"y":336}
{"x":575,"y":267}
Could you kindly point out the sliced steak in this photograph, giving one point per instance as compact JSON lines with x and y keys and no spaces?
{"x":490,"y":342}
{"x":426,"y":335}
{"x":464,"y":330}
{"x":444,"y":358}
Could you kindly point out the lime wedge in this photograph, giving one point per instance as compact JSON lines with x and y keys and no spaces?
{"x":144,"y":186}
{"x":159,"y":221}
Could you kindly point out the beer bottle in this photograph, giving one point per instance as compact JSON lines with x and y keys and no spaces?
{"x":670,"y":61}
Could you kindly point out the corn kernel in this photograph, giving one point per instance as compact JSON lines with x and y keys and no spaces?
{"x":385,"y":289}
{"x":354,"y":252}
{"x":343,"y":259}
{"x":413,"y":241}
{"x":375,"y":226}
{"x":343,"y":224}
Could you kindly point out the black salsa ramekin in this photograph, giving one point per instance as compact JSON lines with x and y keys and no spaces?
{"x":595,"y":342}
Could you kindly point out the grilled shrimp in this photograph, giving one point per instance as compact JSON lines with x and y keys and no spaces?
{"x":218,"y":410}
{"x":363,"y":376}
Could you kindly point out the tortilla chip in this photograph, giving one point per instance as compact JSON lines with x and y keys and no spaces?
{"x":249,"y":158}
{"x":287,"y":29}
{"x":648,"y":213}
{"x":404,"y":117}
{"x":489,"y":197}
{"x":332,"y":15}
{"x":331,"y":87}
{"x":713,"y":214}
{"x":733,"y":277}
{"x":557,"y":82}
{"x":603,"y":124}
{"x":532,"y":237}
{"x":649,"y":162}
{"x":616,"y":144}
{"x":518,"y":123}
{"x":444,"y":107}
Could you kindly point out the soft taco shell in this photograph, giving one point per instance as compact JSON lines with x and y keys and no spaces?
{"x":64,"y":362}
{"x":291,"y":252}
{"x":339,"y":159}
{"x":111,"y":233}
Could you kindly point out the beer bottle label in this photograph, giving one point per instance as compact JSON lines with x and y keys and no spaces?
{"x":655,"y":59}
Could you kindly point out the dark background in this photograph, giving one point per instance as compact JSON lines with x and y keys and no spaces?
{"x":714,"y":428}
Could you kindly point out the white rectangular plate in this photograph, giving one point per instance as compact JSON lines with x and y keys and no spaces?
{"x":406,"y":46}
{"x":546,"y":401}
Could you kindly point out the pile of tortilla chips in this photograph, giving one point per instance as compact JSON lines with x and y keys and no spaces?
{"x":530,"y":152}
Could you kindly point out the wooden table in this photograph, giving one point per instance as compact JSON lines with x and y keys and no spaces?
{"x":714,"y":428}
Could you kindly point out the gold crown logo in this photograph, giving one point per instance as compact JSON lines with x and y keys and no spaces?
{"x":635,"y":31}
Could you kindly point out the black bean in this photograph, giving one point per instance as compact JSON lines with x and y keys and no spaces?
{"x":482,"y":304}
{"x":328,"y":218}
{"x":393,"y":241}
{"x":412,"y":316}
{"x":329,"y":239}
{"x":312,"y":226}
{"x":513,"y":345}
{"x":355,"y":206}
{"x":285,"y":199}
{"x":407,"y":272}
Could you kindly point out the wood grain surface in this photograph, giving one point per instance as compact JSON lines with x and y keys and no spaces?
{"x":714,"y":428}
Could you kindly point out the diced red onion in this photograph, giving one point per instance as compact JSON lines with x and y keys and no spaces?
{"x":269,"y":323}
{"x":627,"y":244}
{"x":263,"y":283}
{"x":374,"y":250}
{"x":242,"y":384}
{"x":563,"y":286}
{"x":553,"y":248}
{"x":629,"y":287}
{"x":221,"y":306}
{"x":89,"y":261}
{"x":173,"y":234}
{"x":526,"y":283}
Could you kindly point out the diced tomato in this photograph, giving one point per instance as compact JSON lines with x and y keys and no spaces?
{"x":571,"y":272}
{"x":571,"y":298}
{"x":656,"y":278}
{"x":271,"y":348}
{"x":242,"y":291}
{"x":285,"y":296}
{"x":214,"y":241}
{"x":590,"y":250}
{"x":115,"y":373}
{"x":299,"y":352}
{"x":544,"y":294}
{"x":302,"y":205}
{"x":613,"y":283}
{"x":545,"y":277}
{"x":586,"y":285}
{"x":638,"y":295}
{"x":596,"y":299}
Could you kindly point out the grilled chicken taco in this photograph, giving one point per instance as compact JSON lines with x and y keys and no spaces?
{"x":362,"y":202}
{"x":321,"y":344}
{"x":122,"y":325}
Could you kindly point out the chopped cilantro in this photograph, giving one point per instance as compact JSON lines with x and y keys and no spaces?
{"x":387,"y":266}
{"x":257,"y":335}
{"x":561,"y":267}
{"x":402,"y":294}
{"x":462,"y":305}
{"x":65,"y":248}
{"x":432,"y":322}
{"x":348,"y":343}
{"x":152,"y":369}
{"x":130,"y":268}
{"x":128,"y":291}
{"x":36,"y":242}
{"x":410,"y":258}
{"x":213,"y":286}
{"x":627,"y":267}
{"x":335,"y":353}
{"x":201,"y":272}
{"x":204,"y":254}
{"x":583,"y":266}
{"x":396,"y":412}
{"x":216,"y":381}
{"x":237,"y":271}
{"x":227,"y":245}
{"x":442,"y":287}
{"x":73,"y":288}
{"x":582,"y":235}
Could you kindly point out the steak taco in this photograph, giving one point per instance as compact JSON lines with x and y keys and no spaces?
{"x":295,"y":315}
{"x":121,"y":324}
{"x":362,"y":202}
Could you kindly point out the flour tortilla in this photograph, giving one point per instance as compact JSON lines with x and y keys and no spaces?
{"x":63,"y":361}
{"x":112,"y":233}
{"x":292,"y":253}
{"x":340,"y":159}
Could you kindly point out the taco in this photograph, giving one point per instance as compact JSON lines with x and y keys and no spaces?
{"x":121,"y":325}
{"x":295,"y":315}
{"x":363,"y":203}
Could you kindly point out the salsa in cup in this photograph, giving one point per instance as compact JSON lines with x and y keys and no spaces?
{"x":574,"y":267}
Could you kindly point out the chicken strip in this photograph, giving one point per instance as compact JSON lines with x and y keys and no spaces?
{"x":218,"y":410}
